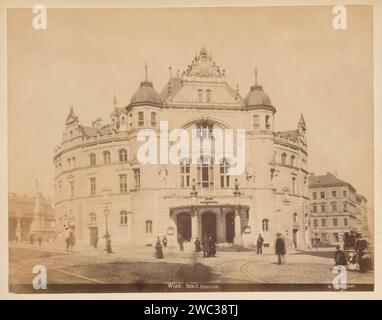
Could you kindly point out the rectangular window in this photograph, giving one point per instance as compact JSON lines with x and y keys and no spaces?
{"x":314,"y":195}
{"x":334,"y":207}
{"x":153,"y":119}
{"x":323,"y":208}
{"x":123,"y":183}
{"x":335,"y":236}
{"x":293,"y":185}
{"x":224,"y":176}
{"x":137,"y":178}
{"x":256,"y":122}
{"x":344,"y":193}
{"x":92,"y":186}
{"x":315,"y":223}
{"x":334,"y":194}
{"x":314,"y":208}
{"x":323,"y":237}
{"x":267,"y":122}
{"x":322,"y":194}
{"x":185,"y":177}
{"x":140,"y":119}
{"x":323,"y":222}
{"x":335,"y":222}
{"x":345,"y":222}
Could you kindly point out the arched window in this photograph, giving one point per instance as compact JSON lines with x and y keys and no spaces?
{"x":295,"y":217}
{"x":267,"y":122}
{"x":92,"y":157}
{"x":92,"y":217}
{"x":153,"y":119}
{"x":224,"y":174}
{"x":283,"y":158}
{"x":256,"y":122}
{"x":208,"y":95}
{"x":141,"y":119}
{"x":73,"y":162}
{"x":122,"y":155}
{"x":149,"y":226}
{"x":106,"y":157}
{"x":185,"y":173}
{"x":265,"y":225}
{"x":69,"y":163}
{"x":123,"y":119}
{"x":200,"y":95}
{"x":123,"y":217}
{"x":292,"y":160}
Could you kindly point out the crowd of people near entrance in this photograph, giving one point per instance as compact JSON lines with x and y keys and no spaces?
{"x":208,"y":246}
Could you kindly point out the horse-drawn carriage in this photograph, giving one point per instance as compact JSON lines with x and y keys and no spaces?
{"x":350,"y":239}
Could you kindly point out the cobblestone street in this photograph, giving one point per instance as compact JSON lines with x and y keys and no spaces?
{"x":127,"y":266}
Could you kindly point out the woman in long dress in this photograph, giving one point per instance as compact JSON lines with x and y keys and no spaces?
{"x":158,"y":249}
{"x":198,"y":246}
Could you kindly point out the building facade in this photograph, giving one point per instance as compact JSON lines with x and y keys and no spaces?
{"x":30,"y":215}
{"x":102,"y":187}
{"x":335,"y":208}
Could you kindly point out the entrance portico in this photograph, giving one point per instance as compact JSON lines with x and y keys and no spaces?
{"x":224,"y":223}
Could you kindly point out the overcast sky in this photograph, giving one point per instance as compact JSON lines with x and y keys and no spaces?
{"x":86,"y":56}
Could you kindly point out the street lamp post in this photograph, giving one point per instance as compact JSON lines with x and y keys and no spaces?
{"x":315,"y":237}
{"x":106,"y":211}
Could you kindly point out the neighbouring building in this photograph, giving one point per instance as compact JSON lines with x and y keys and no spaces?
{"x":101,"y":186}
{"x":30,"y":215}
{"x":335,"y":208}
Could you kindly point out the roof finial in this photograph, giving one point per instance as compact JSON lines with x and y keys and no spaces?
{"x":256,"y":84}
{"x":145,"y":71}
{"x":170,"y":69}
{"x":115,"y":101}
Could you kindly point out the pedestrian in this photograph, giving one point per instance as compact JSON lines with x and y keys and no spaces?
{"x":107,"y":237}
{"x":71,"y":240}
{"x":96,"y":242}
{"x":365,"y":263}
{"x":31,"y":238}
{"x":340,"y":257}
{"x":164,"y":241}
{"x":212,"y":247}
{"x":259,"y":244}
{"x":39,"y":239}
{"x":205,"y":248}
{"x":280,"y":248}
{"x":198,"y":247}
{"x":158,"y":249}
{"x":181,"y":242}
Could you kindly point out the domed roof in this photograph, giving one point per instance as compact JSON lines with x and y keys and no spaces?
{"x":257,"y":96}
{"x":146,"y":94}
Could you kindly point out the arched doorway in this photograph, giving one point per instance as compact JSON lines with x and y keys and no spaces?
{"x":208,"y":225}
{"x":183,"y":225}
{"x":230,"y":226}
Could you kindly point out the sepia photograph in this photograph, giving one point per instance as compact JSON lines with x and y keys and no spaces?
{"x":190,"y":149}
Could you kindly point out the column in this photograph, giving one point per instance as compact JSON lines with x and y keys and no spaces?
{"x":194,"y":224}
{"x":238,"y":239}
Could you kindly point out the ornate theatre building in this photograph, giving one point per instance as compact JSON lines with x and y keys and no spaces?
{"x":102,"y":187}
